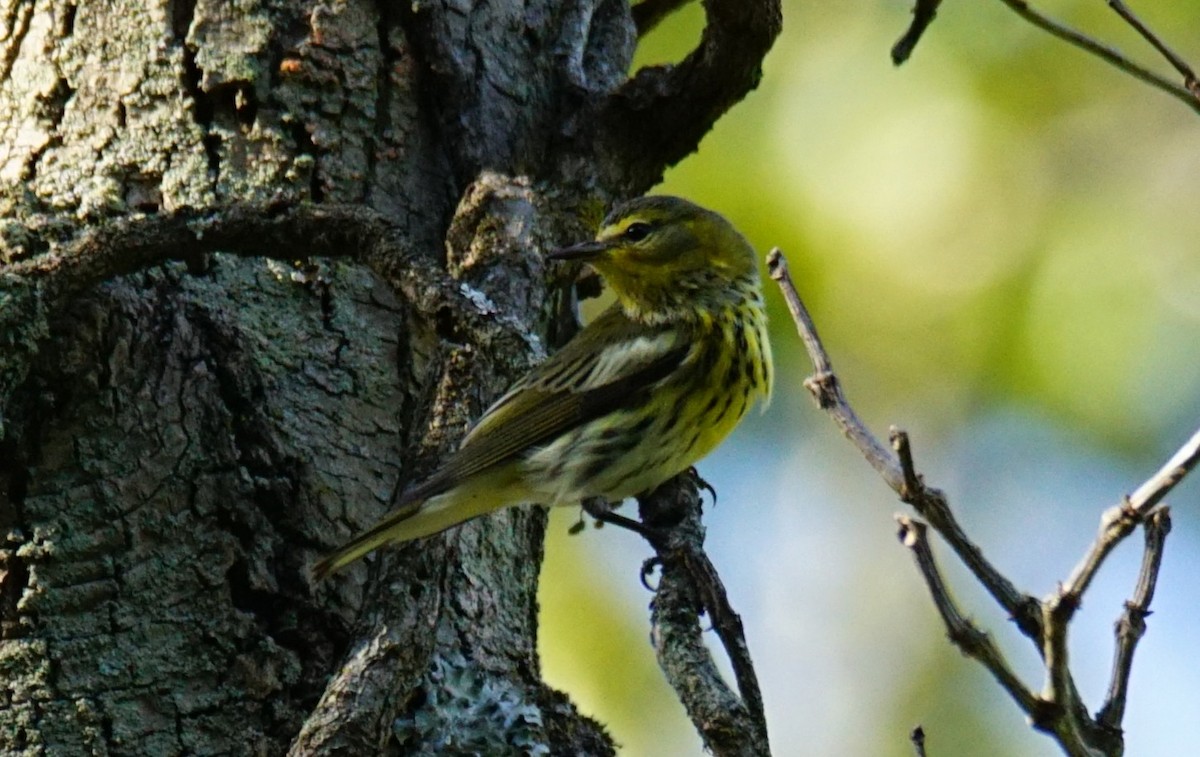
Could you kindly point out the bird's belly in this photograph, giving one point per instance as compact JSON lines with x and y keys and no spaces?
{"x":622,"y":456}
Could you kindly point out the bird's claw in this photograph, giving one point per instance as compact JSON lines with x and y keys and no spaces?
{"x":703,"y":484}
{"x":648,"y":567}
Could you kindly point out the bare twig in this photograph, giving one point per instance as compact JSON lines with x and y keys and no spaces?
{"x":1115,"y":524}
{"x":1068,"y":718}
{"x":923,"y":14}
{"x":928,"y":502}
{"x":973,"y":642}
{"x":1104,"y":52}
{"x":1120,"y":520}
{"x":913,"y":485}
{"x":1132,"y":624}
{"x":824,"y":385}
{"x":1062,"y":711}
{"x":1059,"y":710}
{"x":1179,"y":64}
{"x":1150,"y":493}
{"x":917,"y":737}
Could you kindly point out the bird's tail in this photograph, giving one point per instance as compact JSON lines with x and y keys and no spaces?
{"x":412,"y":520}
{"x":385,"y":531}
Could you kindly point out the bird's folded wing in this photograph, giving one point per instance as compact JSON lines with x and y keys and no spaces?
{"x":582,"y":382}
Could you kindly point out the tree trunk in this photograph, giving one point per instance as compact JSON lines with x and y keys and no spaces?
{"x":182,"y":438}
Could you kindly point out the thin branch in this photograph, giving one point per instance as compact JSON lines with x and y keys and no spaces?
{"x":689,"y":586}
{"x":972,"y":641}
{"x":1119,"y":521}
{"x":1068,"y":718}
{"x":1177,"y":62}
{"x":1060,"y":709}
{"x":896,"y":469}
{"x":824,"y":384}
{"x":1150,"y":493}
{"x":912,"y":486}
{"x":728,"y":625}
{"x":1132,"y":624}
{"x":923,"y":14}
{"x":1104,"y":52}
{"x":917,"y":737}
{"x":1115,"y":524}
{"x":649,"y":13}
{"x":1062,"y":712}
{"x":1060,"y":688}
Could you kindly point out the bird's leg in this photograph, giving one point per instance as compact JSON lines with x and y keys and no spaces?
{"x":602,"y":510}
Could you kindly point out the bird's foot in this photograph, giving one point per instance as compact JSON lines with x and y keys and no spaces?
{"x":602,"y":510}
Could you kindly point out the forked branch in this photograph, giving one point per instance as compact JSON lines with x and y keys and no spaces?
{"x":973,"y":641}
{"x":895,"y":467}
{"x":1132,"y":624}
{"x":1059,"y":709}
{"x":1186,"y":93}
{"x":729,"y":723}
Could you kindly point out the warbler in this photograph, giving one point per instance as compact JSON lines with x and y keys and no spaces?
{"x":641,"y":393}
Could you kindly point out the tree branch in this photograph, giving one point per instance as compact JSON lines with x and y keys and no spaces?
{"x":659,"y":116}
{"x":689,"y":587}
{"x":1150,"y":493}
{"x":398,"y":627}
{"x":896,"y":469}
{"x":1069,"y":718}
{"x":964,"y":634}
{"x":923,"y":14}
{"x":283,"y":232}
{"x":1107,"y":54}
{"x":1059,"y":710}
{"x":917,"y":737}
{"x":1120,"y":520}
{"x":1132,"y":624}
{"x":1062,"y":712}
{"x":1189,"y":93}
{"x":1179,"y":64}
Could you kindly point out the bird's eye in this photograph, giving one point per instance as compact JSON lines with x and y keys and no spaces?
{"x":636,"y":232}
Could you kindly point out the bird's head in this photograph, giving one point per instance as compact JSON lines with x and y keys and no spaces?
{"x":666,"y":258}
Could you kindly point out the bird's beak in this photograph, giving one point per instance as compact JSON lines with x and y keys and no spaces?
{"x":585,"y":251}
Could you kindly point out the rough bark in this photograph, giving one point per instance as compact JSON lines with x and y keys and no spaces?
{"x":180,"y":441}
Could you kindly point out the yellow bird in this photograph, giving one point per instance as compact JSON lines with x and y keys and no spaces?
{"x":638,"y":396}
